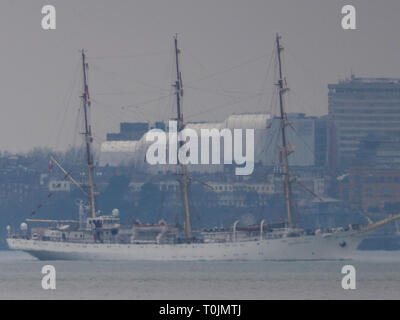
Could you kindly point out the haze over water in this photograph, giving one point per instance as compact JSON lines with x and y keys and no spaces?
{"x":378,"y":277}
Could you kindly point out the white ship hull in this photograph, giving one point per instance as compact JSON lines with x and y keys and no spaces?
{"x":318,"y":247}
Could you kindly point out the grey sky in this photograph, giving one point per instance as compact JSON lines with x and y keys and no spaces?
{"x":40,"y":69}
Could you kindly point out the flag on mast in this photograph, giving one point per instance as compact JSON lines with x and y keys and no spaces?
{"x":51,"y":168}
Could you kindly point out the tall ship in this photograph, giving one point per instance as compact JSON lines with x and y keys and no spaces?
{"x":102,"y":237}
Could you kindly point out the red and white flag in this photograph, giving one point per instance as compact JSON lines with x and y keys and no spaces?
{"x":51,"y":168}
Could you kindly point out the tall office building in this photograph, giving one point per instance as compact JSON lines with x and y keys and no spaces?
{"x":358,"y":108}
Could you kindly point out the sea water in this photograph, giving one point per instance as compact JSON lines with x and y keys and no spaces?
{"x":377,"y":277}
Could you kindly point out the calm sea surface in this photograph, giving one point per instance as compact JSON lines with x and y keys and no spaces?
{"x":378,"y":277}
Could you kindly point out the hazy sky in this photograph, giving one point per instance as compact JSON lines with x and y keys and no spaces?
{"x":226,"y":47}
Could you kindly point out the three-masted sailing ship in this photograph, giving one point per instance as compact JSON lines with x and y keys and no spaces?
{"x":103,"y":237}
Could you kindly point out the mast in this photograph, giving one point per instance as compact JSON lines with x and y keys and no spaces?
{"x":88,"y":136}
{"x":184,"y":180}
{"x":285,"y":149}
